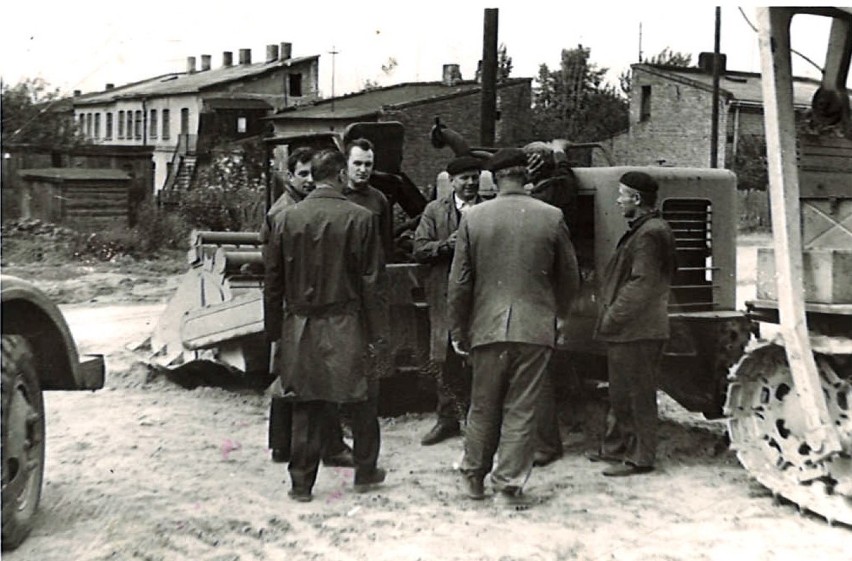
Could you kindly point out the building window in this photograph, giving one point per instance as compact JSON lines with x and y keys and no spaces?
{"x":81,"y":123}
{"x":165,"y":127}
{"x":241,"y":124}
{"x":108,"y":135}
{"x":137,"y":124}
{"x":645,"y":104}
{"x":120,"y":125}
{"x":184,"y":121}
{"x":152,"y":128}
{"x":129,"y":125}
{"x":295,"y":85}
{"x":97,"y":125}
{"x":89,"y":125}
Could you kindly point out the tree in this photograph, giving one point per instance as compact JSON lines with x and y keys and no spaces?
{"x":504,"y":63}
{"x":33,"y":114}
{"x":575,"y":103}
{"x":666,"y":57}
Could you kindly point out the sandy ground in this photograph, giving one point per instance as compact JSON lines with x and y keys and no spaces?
{"x":146,"y":470}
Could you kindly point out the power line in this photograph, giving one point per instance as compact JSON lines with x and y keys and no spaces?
{"x":794,"y":51}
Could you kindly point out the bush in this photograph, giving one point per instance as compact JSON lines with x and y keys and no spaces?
{"x":228,"y":195}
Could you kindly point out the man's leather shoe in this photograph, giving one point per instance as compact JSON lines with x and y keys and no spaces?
{"x":542,"y":459}
{"x":624,"y":470}
{"x":474,"y":488}
{"x":440,"y":432}
{"x":300,"y":495}
{"x":369,"y":482}
{"x":513,"y":499}
{"x":341,"y":459}
{"x":601,"y":457}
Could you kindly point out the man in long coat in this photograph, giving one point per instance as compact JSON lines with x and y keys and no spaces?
{"x":634,"y":323}
{"x":513,"y":276}
{"x":434,"y":244}
{"x":322,"y":298}
{"x":336,"y":452}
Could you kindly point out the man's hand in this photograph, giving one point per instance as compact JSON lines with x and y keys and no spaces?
{"x":461,"y":348}
{"x":561,"y":332}
{"x":559,"y":145}
{"x":534,"y":163}
{"x":450,"y":242}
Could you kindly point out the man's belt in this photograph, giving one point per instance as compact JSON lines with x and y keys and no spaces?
{"x":347,"y":307}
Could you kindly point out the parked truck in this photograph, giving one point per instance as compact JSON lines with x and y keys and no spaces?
{"x":38,"y":354}
{"x":790,"y":402}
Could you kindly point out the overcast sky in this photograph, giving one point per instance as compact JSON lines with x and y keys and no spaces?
{"x":83,"y":44}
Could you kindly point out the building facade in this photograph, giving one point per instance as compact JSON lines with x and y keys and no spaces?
{"x":183,"y":115}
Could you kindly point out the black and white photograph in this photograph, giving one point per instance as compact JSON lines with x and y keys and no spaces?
{"x":444,"y":281}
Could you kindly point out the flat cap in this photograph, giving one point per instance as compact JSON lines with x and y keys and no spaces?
{"x":640,"y":181}
{"x":506,"y":158}
{"x":463,"y":164}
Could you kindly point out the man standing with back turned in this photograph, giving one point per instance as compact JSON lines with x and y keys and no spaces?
{"x":513,"y":276}
{"x":634,"y":322}
{"x":321,"y":297}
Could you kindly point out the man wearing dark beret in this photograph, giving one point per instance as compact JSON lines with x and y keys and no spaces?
{"x":513,"y":276}
{"x":434,"y":244}
{"x":634,"y":323}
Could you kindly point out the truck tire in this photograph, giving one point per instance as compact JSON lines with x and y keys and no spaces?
{"x":22,"y":439}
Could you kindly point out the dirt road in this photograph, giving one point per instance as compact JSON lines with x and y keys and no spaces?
{"x":146,"y":470}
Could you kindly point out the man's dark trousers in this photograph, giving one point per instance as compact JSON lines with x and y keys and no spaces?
{"x":507,"y":377}
{"x":631,"y":431}
{"x":453,"y":389}
{"x":309,"y":431}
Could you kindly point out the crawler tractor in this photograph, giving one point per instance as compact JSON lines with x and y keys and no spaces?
{"x":788,"y":405}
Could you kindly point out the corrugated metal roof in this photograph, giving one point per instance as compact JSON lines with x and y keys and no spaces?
{"x":75,"y":174}
{"x":741,"y":86}
{"x":368,"y":103}
{"x":183,"y":83}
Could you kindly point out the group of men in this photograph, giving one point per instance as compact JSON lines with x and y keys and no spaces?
{"x":502,"y":275}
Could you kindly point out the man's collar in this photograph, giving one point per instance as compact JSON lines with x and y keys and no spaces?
{"x":638,"y":221}
{"x":350,"y":188}
{"x":325,"y":192}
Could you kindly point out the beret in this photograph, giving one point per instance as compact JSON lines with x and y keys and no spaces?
{"x":463,"y":164}
{"x":506,"y":158}
{"x":640,"y":181}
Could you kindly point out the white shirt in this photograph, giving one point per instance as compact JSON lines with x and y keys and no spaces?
{"x":462,"y":206}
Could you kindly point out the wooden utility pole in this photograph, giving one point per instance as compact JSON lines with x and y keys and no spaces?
{"x":489,"y":79}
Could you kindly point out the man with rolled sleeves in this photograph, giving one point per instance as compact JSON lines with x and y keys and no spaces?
{"x":513,"y":276}
{"x":434,"y":245}
{"x":634,"y":323}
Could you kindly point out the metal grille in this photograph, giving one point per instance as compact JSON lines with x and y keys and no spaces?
{"x":693,"y":285}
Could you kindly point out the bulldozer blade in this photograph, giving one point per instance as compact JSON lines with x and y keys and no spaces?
{"x":210,"y":326}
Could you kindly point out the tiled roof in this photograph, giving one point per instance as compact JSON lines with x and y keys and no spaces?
{"x":368,"y":103}
{"x":75,"y":174}
{"x":183,"y":83}
{"x":741,"y":86}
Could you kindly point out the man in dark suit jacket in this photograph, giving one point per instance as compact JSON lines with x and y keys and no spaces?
{"x":634,"y":323}
{"x":434,"y":244}
{"x":513,"y":275}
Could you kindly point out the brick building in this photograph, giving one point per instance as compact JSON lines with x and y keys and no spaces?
{"x":182,"y":115}
{"x":416,"y":105}
{"x":671,"y":110}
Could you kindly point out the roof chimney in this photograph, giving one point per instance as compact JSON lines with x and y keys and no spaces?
{"x":227,"y":58}
{"x":286,"y":51}
{"x":78,"y":93}
{"x":245,"y":56}
{"x":205,"y":62}
{"x":109,"y":86}
{"x":190,"y":65}
{"x":452,"y":74}
{"x":271,"y":53}
{"x":705,"y":62}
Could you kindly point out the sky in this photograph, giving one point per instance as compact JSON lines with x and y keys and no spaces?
{"x":85,"y":44}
